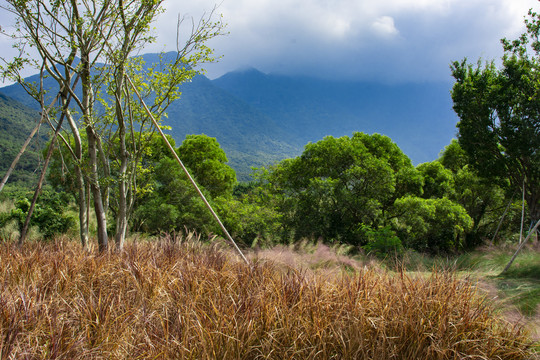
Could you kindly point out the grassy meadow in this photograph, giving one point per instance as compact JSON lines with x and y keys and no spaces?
{"x":178,"y":298}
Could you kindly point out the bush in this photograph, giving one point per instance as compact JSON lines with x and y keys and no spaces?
{"x":249,"y":223}
{"x":382,"y":242}
{"x":49,"y":214}
{"x":431,"y":225}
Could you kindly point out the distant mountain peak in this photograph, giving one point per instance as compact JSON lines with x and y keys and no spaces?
{"x":247,"y":71}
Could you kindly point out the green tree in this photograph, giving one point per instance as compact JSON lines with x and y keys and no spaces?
{"x":499,"y":110}
{"x":483,"y":199}
{"x":173,"y":204}
{"x":338,"y":185}
{"x":438,"y":181}
{"x":431,"y":225}
{"x":208,"y":164}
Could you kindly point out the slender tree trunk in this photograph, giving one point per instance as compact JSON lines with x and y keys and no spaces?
{"x":124,"y":179}
{"x":26,"y":225}
{"x":501,"y":220}
{"x":83,"y":212}
{"x":101,"y":217}
{"x":92,"y":138}
{"x":521,"y":246}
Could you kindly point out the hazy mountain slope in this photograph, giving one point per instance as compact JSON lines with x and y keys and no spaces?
{"x":249,"y":137}
{"x":260,"y":118}
{"x":16,"y":123}
{"x":418,"y":117}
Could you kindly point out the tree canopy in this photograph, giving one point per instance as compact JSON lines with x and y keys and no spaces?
{"x":499,"y":108}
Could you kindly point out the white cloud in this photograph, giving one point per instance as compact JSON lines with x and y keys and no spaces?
{"x":384,"y":26}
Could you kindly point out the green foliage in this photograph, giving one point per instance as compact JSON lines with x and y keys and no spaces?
{"x":338,"y":184}
{"x":249,"y":223}
{"x":50,"y":214}
{"x":16,"y":123}
{"x":208,"y":164}
{"x":438,"y":181}
{"x":382,"y":242}
{"x":431,"y":225}
{"x":453,"y":157}
{"x":484,"y":199}
{"x":498,"y":111}
{"x":173,"y":205}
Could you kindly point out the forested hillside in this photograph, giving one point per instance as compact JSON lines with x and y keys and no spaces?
{"x":417,"y":116}
{"x":260,"y":119}
{"x":250,"y":137}
{"x":16,"y":123}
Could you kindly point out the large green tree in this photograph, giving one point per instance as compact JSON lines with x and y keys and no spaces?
{"x":484,"y":200}
{"x":173,"y":204}
{"x":208,"y":164}
{"x":338,"y":185}
{"x":499,"y":112}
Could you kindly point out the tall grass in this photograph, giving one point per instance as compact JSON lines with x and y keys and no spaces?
{"x":183,"y":300}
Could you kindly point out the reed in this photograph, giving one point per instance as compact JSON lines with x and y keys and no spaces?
{"x":184,"y":300}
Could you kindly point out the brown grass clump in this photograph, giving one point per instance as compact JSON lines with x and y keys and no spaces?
{"x":169,"y":300}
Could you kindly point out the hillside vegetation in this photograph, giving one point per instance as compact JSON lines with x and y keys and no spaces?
{"x":16,"y":123}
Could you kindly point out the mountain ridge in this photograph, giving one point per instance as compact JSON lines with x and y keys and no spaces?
{"x":261,"y":118}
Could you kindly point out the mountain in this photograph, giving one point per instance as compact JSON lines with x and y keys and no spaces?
{"x":418,"y":117}
{"x":262,"y":118}
{"x":16,"y":123}
{"x":249,"y":137}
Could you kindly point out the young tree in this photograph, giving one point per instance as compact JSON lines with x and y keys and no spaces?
{"x":71,"y":38}
{"x":499,"y":111}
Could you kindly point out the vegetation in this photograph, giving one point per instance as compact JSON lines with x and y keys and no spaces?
{"x":168,"y":297}
{"x":70,"y":38}
{"x":498,"y":111}
{"x":180,"y":299}
{"x":16,"y":122}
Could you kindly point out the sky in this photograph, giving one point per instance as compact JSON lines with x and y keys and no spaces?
{"x":375,"y":40}
{"x":389,"y":41}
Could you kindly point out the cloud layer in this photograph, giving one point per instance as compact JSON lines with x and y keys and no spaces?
{"x":386,"y":40}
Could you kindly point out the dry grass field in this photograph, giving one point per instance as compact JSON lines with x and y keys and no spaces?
{"x":180,"y":299}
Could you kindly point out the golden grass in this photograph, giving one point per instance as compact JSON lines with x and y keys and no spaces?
{"x":171,"y":300}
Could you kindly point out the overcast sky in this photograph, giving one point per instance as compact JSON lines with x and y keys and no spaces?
{"x":380,"y":40}
{"x":387,"y":40}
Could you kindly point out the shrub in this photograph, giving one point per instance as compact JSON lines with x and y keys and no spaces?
{"x":49,"y":214}
{"x":382,"y":242}
{"x":431,"y":225}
